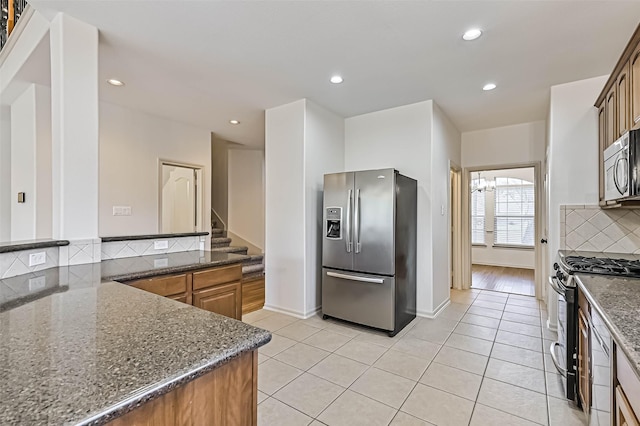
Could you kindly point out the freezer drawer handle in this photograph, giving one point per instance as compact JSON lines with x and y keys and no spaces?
{"x":356,"y":278}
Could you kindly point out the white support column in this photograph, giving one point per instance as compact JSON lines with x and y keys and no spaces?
{"x":74,"y":112}
{"x":5,"y":173}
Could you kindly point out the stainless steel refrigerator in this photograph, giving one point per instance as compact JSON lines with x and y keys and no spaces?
{"x":369,"y":248}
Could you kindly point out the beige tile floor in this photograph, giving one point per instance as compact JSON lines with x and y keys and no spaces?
{"x":483,"y":361}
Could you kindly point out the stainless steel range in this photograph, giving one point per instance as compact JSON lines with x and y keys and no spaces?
{"x":564,"y":351}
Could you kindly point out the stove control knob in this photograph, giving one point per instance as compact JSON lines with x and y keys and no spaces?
{"x":555,"y":266}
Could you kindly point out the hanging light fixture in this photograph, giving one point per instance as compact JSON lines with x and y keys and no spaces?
{"x":479,"y":184}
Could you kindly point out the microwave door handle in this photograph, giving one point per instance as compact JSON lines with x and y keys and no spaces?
{"x":348,"y":222}
{"x":620,"y":189}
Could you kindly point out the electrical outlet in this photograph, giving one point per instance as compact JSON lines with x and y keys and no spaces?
{"x":161,"y":263}
{"x":160,"y":245}
{"x":122,"y":210}
{"x":37,"y":283}
{"x":36,"y":259}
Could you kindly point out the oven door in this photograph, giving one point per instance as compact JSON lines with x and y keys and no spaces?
{"x":563,"y":350}
{"x":616,"y":169}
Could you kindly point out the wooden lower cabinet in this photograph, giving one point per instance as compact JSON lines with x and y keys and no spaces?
{"x":217,"y":290}
{"x":624,"y":413}
{"x":252,"y":295}
{"x":227,"y":395}
{"x":584,"y":362}
{"x":225,"y":299}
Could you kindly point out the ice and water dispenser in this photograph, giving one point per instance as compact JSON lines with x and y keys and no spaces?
{"x":334,"y":223}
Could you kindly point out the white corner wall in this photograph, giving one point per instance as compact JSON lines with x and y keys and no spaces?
{"x":246,"y":195}
{"x":446,"y":150}
{"x":324,"y":153}
{"x":5,"y":174}
{"x":502,"y":256}
{"x":284,"y":208}
{"x":131,"y":143}
{"x":400,"y":138}
{"x":573,"y":155}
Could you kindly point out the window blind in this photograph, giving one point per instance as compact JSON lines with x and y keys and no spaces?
{"x":514,"y":222}
{"x":477,"y":217}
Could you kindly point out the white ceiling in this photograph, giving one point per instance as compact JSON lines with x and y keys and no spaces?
{"x":205,"y":62}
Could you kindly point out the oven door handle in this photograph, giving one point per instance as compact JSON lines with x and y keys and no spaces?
{"x":556,"y":286}
{"x":554,"y":358}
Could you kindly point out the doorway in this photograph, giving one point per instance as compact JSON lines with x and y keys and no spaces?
{"x":455,"y":227}
{"x":504,"y":227}
{"x":180,"y":198}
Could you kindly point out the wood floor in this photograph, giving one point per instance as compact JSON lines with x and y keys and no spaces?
{"x":507,"y":280}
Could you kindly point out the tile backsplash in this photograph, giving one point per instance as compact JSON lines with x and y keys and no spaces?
{"x":590,"y":228}
{"x":132,"y":248}
{"x":17,"y":262}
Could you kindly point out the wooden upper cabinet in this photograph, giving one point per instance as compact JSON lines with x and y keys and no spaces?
{"x":610,"y":109}
{"x":622,"y":95}
{"x":634,"y":88}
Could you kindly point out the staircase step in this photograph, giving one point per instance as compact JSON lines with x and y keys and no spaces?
{"x":217,"y":232}
{"x":256,"y":259}
{"x":220,"y":242}
{"x":250,"y":269}
{"x":232,"y":249}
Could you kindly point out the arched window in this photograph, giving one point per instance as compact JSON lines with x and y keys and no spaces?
{"x":514,"y":220}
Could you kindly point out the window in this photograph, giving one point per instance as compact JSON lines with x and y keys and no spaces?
{"x":477,"y":214}
{"x":514,"y":212}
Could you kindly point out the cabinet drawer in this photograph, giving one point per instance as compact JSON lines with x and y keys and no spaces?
{"x":211,"y":277}
{"x":179,"y":297}
{"x":163,"y":286}
{"x":628,"y":380}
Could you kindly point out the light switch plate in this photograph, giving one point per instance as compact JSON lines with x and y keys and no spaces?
{"x":161,"y":263}
{"x":37,"y":283}
{"x":122,"y":210}
{"x":36,"y":259}
{"x":159,"y":245}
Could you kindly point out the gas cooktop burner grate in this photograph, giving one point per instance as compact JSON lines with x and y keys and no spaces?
{"x":603,"y":266}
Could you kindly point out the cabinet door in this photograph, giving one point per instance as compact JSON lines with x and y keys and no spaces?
{"x":634,"y":89}
{"x":610,"y":110}
{"x":602,"y":144}
{"x":584,"y":370}
{"x":624,"y":414}
{"x":223,"y":299}
{"x":622,"y":95}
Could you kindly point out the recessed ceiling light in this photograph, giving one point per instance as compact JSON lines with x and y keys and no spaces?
{"x":114,"y":82}
{"x":488,"y":86}
{"x":336,"y":79}
{"x":472,"y":34}
{"x":234,"y":122}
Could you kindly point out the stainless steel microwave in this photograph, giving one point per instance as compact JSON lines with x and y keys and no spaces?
{"x":621,"y":164}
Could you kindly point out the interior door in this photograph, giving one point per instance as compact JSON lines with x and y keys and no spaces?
{"x":337,"y":223}
{"x":178,"y":199}
{"x":374,"y":222}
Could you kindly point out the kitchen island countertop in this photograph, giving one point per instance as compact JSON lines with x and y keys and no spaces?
{"x":79,"y":350}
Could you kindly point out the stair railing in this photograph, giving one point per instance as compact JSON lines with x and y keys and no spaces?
{"x":10,"y":11}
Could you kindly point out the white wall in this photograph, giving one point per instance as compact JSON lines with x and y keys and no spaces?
{"x":5,"y":174}
{"x":246,"y":195}
{"x":30,"y":168}
{"x":502,"y":256}
{"x":284,"y":208}
{"x":519,"y":143}
{"x":402,"y":138}
{"x":131,"y":143}
{"x":573,"y":155}
{"x":324,"y":153}
{"x":446,"y":149}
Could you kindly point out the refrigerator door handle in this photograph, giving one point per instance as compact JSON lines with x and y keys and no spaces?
{"x":356,"y":278}
{"x":356,"y":220}
{"x":348,"y":223}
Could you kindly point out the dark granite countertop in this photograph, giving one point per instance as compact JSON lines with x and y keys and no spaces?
{"x":152,"y":236}
{"x":134,"y":268}
{"x":79,"y":350}
{"x":617,"y":300}
{"x":9,"y":246}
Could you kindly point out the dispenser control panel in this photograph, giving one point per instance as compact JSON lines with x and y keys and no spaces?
{"x":334,"y":223}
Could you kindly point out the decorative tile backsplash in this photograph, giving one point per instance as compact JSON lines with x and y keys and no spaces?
{"x":17,"y":262}
{"x":132,"y":248}
{"x":590,"y":228}
{"x":79,"y":252}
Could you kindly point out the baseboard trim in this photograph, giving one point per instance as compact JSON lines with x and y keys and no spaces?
{"x":291,"y":312}
{"x":436,"y":312}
